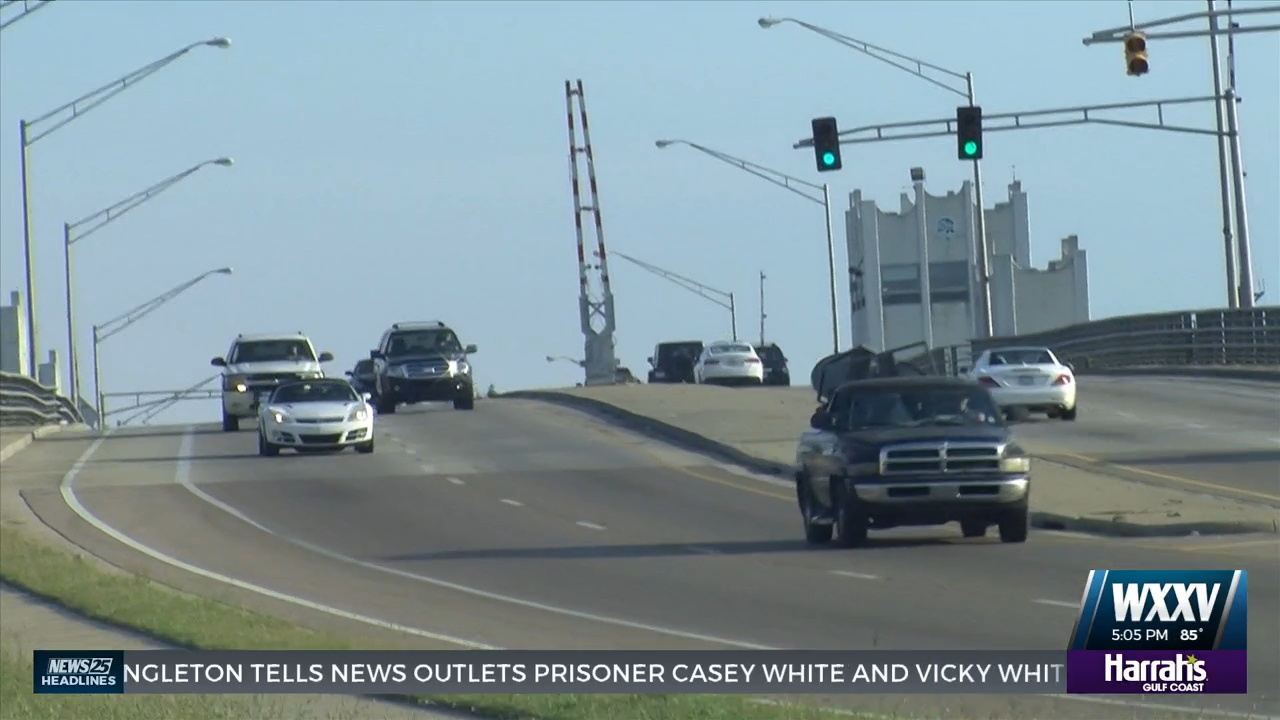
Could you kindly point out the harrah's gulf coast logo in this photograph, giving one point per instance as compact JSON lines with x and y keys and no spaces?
{"x":1160,"y":631}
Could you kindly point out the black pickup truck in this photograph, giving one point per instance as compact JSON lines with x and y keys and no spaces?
{"x":910,"y":451}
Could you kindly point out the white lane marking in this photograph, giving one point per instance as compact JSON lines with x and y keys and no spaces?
{"x":590,"y":525}
{"x":852,"y":574}
{"x":513,"y":503}
{"x":410,"y":450}
{"x":1196,"y":426}
{"x":457,"y":481}
{"x":427,"y":468}
{"x":1058,"y":603}
{"x":702,"y":550}
{"x":476,"y":592}
{"x":1126,"y":415}
{"x":182,"y":475}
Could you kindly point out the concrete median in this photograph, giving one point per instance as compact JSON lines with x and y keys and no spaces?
{"x":757,"y":429}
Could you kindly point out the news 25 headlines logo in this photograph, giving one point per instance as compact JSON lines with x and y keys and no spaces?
{"x":94,"y":672}
{"x":1160,"y":631}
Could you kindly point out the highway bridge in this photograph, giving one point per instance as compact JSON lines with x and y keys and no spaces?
{"x":527,"y":524}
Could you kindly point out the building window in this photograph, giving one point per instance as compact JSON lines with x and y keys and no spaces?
{"x":900,"y":279}
{"x":949,"y":277}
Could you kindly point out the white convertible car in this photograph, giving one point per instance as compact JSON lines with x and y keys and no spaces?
{"x":1028,"y":379}
{"x":315,"y":415}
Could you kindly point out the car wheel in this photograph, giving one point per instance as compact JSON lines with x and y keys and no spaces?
{"x":230,"y":423}
{"x":1015,"y":525}
{"x":1069,"y":415}
{"x":973,"y":528}
{"x":386,"y":405}
{"x":814,"y":534}
{"x":267,"y":449}
{"x":365,"y":448}
{"x":851,"y":524}
{"x":464,"y":403}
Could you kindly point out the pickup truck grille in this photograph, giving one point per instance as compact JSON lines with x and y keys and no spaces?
{"x":940,"y":458}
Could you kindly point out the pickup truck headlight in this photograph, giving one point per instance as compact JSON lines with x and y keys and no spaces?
{"x":461,"y":367}
{"x":1015,"y":461}
{"x":234,"y":382}
{"x":358,"y":415}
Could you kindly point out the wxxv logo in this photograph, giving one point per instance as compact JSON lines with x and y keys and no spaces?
{"x":1162,"y":610}
{"x":78,"y":671}
{"x":1160,"y":631}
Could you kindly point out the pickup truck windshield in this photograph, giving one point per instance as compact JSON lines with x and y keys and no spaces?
{"x":915,"y":407}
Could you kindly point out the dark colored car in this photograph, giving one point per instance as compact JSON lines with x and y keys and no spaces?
{"x":776,"y":371}
{"x":422,"y":362}
{"x":673,"y":362}
{"x":911,"y":451}
{"x":363,"y":377}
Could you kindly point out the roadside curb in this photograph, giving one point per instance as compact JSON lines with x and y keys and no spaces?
{"x":694,"y":442}
{"x":1210,"y":372}
{"x":21,"y":443}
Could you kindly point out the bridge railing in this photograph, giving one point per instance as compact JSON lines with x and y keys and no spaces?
{"x":26,"y":403}
{"x":1207,"y":340}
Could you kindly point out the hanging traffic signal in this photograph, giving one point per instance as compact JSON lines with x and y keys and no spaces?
{"x":1135,"y":53}
{"x":826,"y":144}
{"x":969,"y":133}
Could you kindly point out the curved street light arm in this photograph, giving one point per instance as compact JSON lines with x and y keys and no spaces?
{"x":706,"y":292}
{"x":114,"y":212}
{"x":126,"y":319}
{"x":905,"y":63}
{"x":94,"y":98}
{"x":780,"y":179}
{"x":27,"y":10}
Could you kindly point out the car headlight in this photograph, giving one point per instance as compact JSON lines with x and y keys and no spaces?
{"x":234,"y":382}
{"x":311,"y":375}
{"x":279,"y":416}
{"x":461,"y":367}
{"x":358,"y":415}
{"x":1015,"y":460}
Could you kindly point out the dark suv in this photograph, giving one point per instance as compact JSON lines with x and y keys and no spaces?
{"x":776,"y":371}
{"x":422,"y":362}
{"x":673,"y":362}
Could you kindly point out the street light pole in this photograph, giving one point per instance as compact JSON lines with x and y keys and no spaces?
{"x":78,"y":108}
{"x":103,"y":218}
{"x":917,"y":67}
{"x":722,"y":298}
{"x":787,"y":182}
{"x":1224,"y":187}
{"x":124,"y":320}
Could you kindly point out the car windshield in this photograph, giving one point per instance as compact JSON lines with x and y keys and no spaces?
{"x":915,"y":407}
{"x":333,"y":391}
{"x":417,"y":342}
{"x":731,"y":349}
{"x":671,"y":351}
{"x":1021,"y":356}
{"x":272,"y":351}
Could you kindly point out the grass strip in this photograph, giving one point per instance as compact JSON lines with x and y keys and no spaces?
{"x":186,"y":620}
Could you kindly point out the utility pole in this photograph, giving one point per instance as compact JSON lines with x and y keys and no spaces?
{"x":595,"y":297}
{"x":762,"y":315}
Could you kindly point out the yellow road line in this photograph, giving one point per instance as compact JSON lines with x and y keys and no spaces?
{"x":1174,"y":478}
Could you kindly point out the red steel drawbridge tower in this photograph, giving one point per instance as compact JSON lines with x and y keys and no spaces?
{"x":595,"y":298}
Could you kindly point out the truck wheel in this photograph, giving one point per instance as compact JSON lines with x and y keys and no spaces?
{"x":851,"y":524}
{"x":814,"y":533}
{"x":386,"y":405}
{"x":973,"y":528}
{"x":230,"y":423}
{"x":467,"y":402}
{"x":1014,"y":526}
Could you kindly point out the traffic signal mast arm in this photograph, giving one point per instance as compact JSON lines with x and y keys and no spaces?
{"x":911,"y":130}
{"x":1118,"y":34}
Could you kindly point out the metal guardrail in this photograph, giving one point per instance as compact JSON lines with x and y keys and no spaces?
{"x":26,"y":403}
{"x":1205,"y":341}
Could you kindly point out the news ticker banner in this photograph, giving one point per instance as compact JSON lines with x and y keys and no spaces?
{"x":1161,"y":631}
{"x":476,"y":672}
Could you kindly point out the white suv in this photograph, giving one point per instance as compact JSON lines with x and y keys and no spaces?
{"x":255,"y":364}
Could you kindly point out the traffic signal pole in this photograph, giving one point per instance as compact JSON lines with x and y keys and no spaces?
{"x":980,"y":228}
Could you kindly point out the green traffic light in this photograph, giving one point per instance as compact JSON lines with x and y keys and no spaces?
{"x":971,"y":148}
{"x":828,"y":158}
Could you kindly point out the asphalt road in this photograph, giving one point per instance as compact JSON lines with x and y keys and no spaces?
{"x":525,"y":525}
{"x":1217,"y":436}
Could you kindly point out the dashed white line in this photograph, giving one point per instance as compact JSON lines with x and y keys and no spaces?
{"x":702,"y":550}
{"x":410,"y":450}
{"x":1058,"y":603}
{"x":427,"y":468}
{"x":852,"y":574}
{"x":514,"y":503}
{"x":457,"y":481}
{"x":590,"y":525}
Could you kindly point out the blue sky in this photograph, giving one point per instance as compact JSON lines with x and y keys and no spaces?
{"x":408,"y":160}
